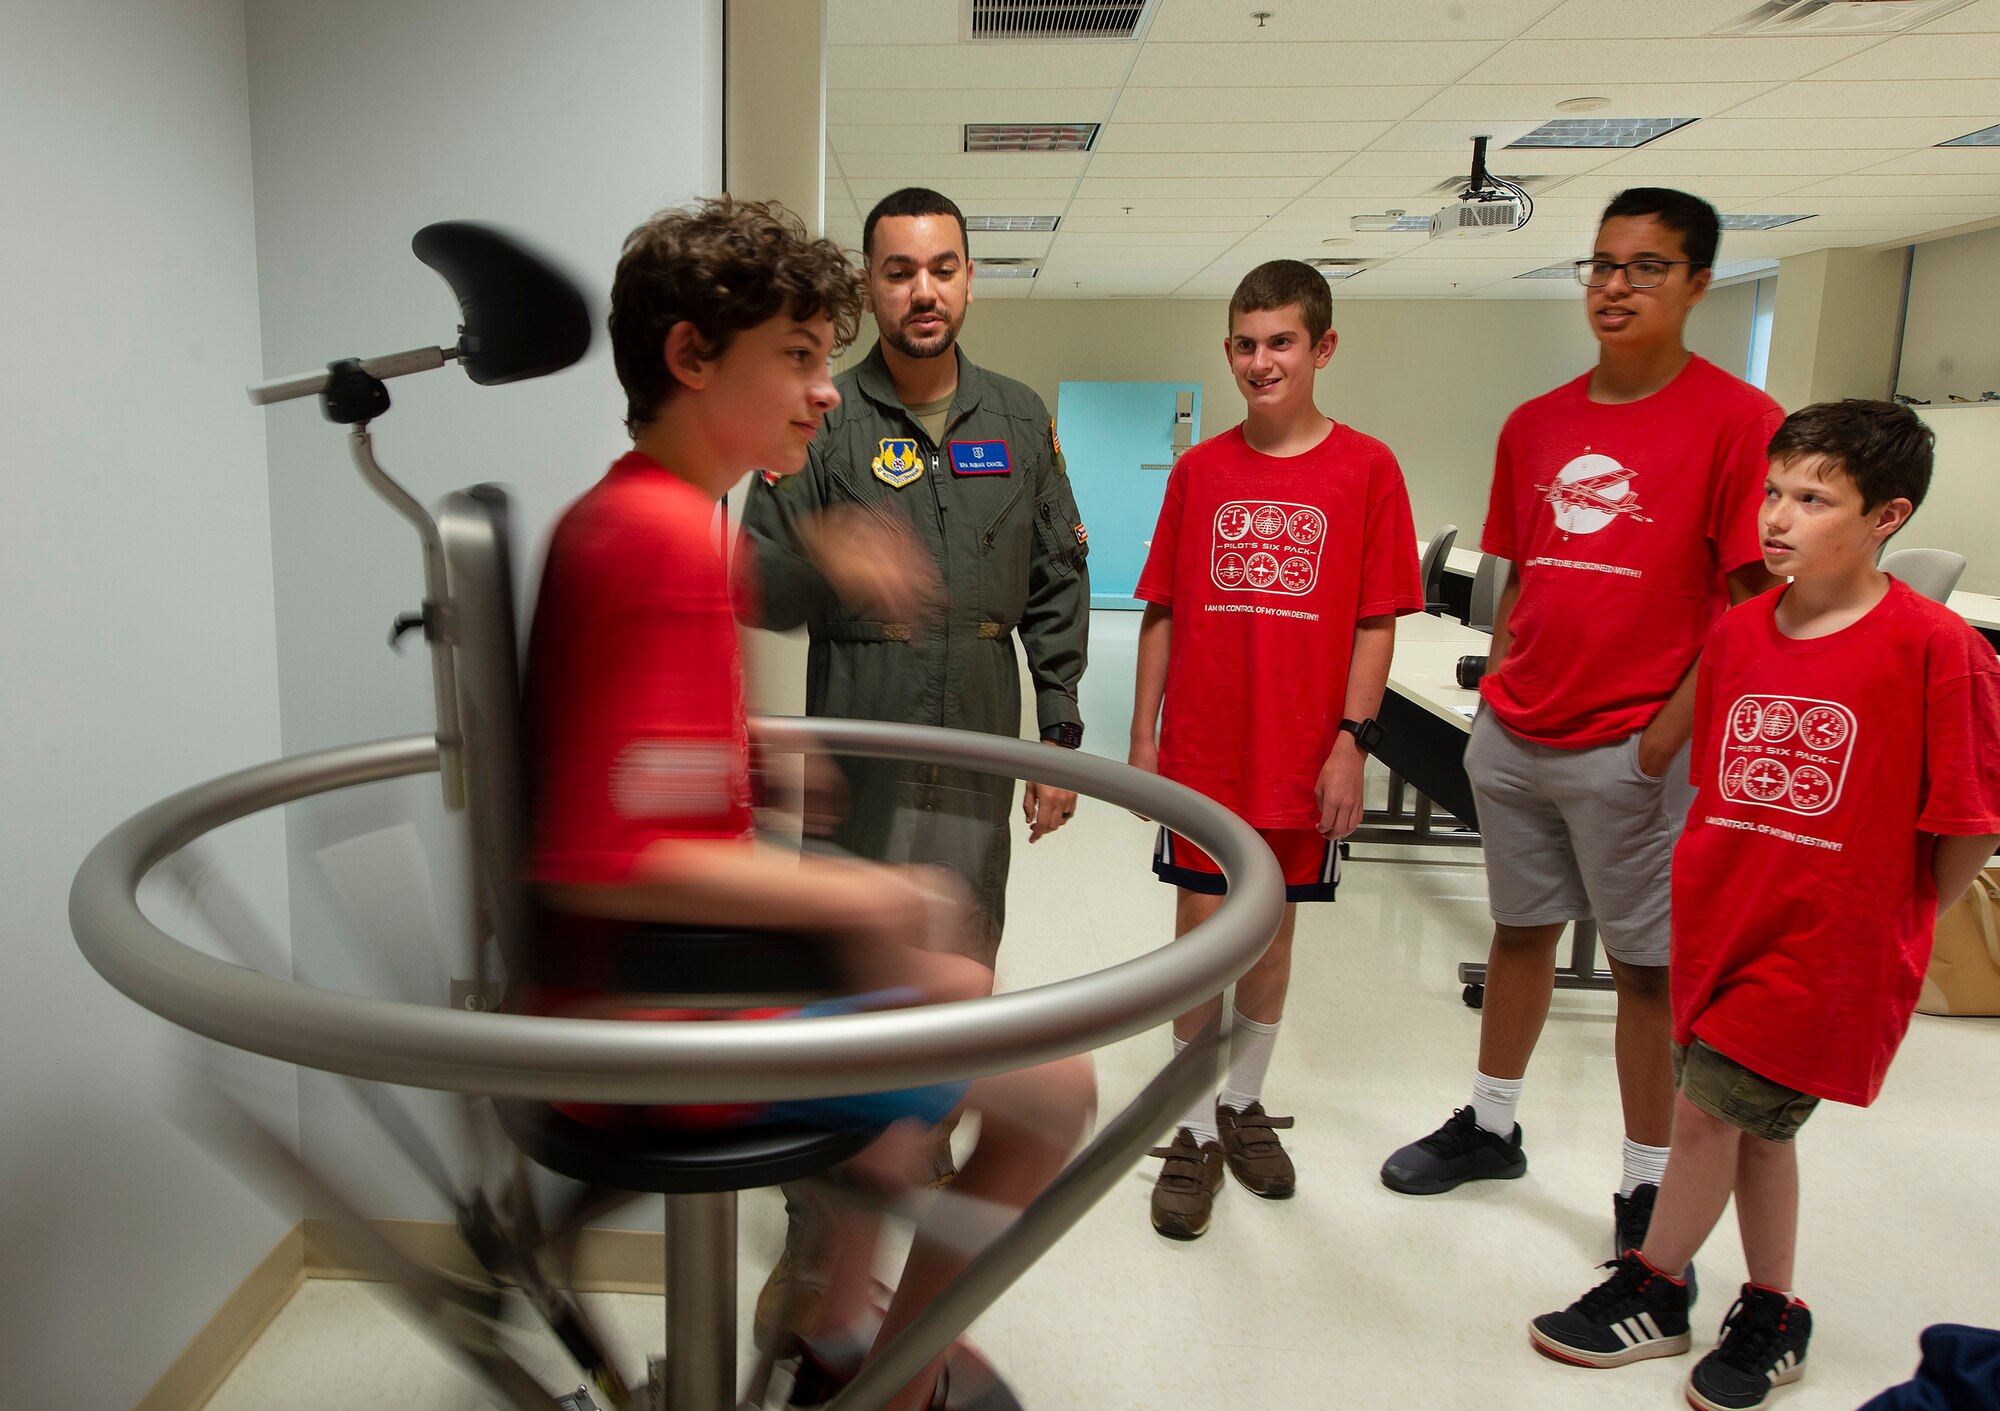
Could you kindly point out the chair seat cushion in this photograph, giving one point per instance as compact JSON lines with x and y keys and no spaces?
{"x":674,"y":1162}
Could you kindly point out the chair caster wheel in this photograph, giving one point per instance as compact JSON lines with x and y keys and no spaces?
{"x":1475,"y":996}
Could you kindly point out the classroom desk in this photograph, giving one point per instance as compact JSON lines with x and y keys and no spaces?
{"x":1426,"y":720}
{"x":1979,"y":610}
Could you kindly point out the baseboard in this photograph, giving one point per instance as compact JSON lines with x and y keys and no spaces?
{"x":607,"y":1260}
{"x":236,"y":1326}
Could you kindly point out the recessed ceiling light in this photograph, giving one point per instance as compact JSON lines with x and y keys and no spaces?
{"x":1006,"y":269}
{"x":1014,"y":223}
{"x":1340,"y":269}
{"x":1985,"y":137}
{"x":1758,"y":222}
{"x":1582,"y":105}
{"x":1029,"y":136}
{"x":1599,"y":132}
{"x":1562,"y":271}
{"x":1809,"y":17}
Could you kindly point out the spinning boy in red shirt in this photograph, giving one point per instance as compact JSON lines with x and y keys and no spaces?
{"x":722,"y":322}
{"x":1847,"y":753}
{"x":1283,"y":555}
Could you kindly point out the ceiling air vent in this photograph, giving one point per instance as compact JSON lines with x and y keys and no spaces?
{"x":1012,"y":223}
{"x":1029,"y":136}
{"x":1007,"y":269}
{"x":1782,"y":18}
{"x":1016,"y":20}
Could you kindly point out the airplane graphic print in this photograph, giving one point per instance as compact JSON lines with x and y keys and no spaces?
{"x":1590,"y":492}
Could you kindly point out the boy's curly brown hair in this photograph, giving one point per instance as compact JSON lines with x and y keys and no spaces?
{"x":722,"y":265}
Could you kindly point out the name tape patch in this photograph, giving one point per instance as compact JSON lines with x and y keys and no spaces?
{"x":979,"y":458}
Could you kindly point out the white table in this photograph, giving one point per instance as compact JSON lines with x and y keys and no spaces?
{"x":1427,"y":717}
{"x":1978,"y":609}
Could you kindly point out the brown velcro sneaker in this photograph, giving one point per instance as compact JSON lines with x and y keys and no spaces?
{"x":1250,"y":1146}
{"x":1184,"y":1194}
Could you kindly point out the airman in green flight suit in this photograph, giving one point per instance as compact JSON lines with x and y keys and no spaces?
{"x":933,"y":521}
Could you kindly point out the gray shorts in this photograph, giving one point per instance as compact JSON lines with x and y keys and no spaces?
{"x":1578,"y":835}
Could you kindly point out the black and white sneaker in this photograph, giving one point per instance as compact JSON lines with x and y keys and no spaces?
{"x":1763,"y":1347}
{"x":1636,"y":1313}
{"x":1459,"y":1151}
{"x":1631,"y":1217}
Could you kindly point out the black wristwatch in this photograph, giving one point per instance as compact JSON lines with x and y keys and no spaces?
{"x":1367,"y":733}
{"x":1068,"y":734}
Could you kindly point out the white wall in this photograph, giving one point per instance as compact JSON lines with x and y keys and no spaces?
{"x":135,"y":563}
{"x":1434,"y":378}
{"x":1948,"y":332}
{"x":370,"y":119}
{"x":1961,"y":511}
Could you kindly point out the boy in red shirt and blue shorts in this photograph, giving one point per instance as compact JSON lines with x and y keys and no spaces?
{"x":1283,"y":556}
{"x":1847,"y":754}
{"x":1625,"y":502}
{"x":723,"y":319}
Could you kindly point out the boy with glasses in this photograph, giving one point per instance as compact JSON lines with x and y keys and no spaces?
{"x":1627,"y":502}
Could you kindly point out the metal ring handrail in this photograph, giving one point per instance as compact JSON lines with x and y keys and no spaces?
{"x":522,"y":1056}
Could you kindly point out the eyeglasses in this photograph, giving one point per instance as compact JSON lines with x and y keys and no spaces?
{"x":1640,"y":274}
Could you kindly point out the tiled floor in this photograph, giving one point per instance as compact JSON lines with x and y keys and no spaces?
{"x":1350,"y":1295}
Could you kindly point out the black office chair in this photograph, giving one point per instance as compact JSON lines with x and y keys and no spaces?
{"x":1430,"y":569}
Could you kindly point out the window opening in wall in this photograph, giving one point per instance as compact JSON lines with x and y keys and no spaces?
{"x":1763,"y":307}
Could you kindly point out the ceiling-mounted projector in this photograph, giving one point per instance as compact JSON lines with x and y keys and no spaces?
{"x":1489,"y":205}
{"x":1468,"y":220}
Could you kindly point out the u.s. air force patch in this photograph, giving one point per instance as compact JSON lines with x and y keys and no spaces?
{"x":900,"y":463}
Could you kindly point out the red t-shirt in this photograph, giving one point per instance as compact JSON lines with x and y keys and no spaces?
{"x":1267,"y":562}
{"x":1623,"y":521}
{"x":634,"y":722}
{"x":1803,"y":896}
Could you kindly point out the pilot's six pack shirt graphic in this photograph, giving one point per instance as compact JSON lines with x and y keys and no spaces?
{"x":1267,"y":546}
{"x":1803,"y":902}
{"x":1266,"y":563}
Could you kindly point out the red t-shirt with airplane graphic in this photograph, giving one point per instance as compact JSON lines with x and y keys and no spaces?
{"x":1803,"y":898}
{"x":1622,"y":521}
{"x":1267,"y":563}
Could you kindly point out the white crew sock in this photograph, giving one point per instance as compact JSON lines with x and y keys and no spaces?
{"x":1494,"y":1101}
{"x":1643,"y":1164}
{"x":1250,"y":1047}
{"x":1199,"y":1119}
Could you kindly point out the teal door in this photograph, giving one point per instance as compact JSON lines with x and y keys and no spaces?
{"x":1118,"y":441}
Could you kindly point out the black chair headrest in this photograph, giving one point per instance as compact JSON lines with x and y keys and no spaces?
{"x":522,"y":317}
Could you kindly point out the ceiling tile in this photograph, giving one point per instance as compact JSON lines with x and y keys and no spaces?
{"x":1504,"y":102}
{"x":1890,"y":184}
{"x":917,"y":71}
{"x":1209,"y":240}
{"x":914,"y":139}
{"x":1010,"y":244}
{"x":1069,"y":256}
{"x":1306,"y":64}
{"x":1812,"y":134}
{"x":1583,"y":61}
{"x":1204,"y":21}
{"x":1976,"y":99}
{"x":1924,"y":58}
{"x":1214,"y":101}
{"x":1275,"y":191}
{"x":890,"y":22}
{"x":1981,"y":16}
{"x":1656,"y":159}
{"x":847,"y":106}
{"x":979,"y":197}
{"x":1639,"y":19}
{"x":1160,"y":211}
{"x":1457,"y":161}
{"x":1245,"y":137}
{"x":1111,"y":221}
{"x":1423,"y":135}
{"x":1942,"y":160}
{"x":1185,"y":163}
{"x":1716,"y":189}
{"x":965,"y":166}
{"x":1948,"y":209}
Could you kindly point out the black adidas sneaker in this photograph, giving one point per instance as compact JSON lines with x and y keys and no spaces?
{"x":1636,"y":1313}
{"x":1763,"y":1347}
